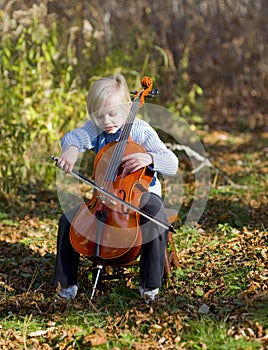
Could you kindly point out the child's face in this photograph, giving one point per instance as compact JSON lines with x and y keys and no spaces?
{"x":112,"y":114}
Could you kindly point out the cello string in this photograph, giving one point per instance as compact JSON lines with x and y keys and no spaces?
{"x":113,"y":166}
{"x":115,"y":162}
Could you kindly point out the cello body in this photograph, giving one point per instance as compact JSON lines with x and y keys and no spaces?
{"x":105,"y":230}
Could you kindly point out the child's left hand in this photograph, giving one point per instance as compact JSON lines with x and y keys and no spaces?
{"x":135,"y":161}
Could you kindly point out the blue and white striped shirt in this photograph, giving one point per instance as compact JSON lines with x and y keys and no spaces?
{"x":89,"y":136}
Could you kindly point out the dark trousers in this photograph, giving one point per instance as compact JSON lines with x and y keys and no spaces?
{"x":152,"y":251}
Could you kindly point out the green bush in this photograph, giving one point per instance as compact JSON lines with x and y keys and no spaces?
{"x":38,"y":97}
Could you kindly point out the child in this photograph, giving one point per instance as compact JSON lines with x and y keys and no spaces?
{"x":108,"y":104}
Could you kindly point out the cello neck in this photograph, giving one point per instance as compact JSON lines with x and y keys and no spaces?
{"x":120,"y":147}
{"x":138,"y":101}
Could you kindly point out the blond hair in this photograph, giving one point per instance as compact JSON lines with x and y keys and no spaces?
{"x":102,"y":89}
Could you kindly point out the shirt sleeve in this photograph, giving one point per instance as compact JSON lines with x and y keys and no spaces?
{"x":165,"y":161}
{"x":83,"y":138}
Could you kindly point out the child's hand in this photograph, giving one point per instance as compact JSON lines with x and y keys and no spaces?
{"x":135,"y":161}
{"x":68,"y":158}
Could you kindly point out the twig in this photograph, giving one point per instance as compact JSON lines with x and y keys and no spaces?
{"x":191,"y":153}
{"x":204,"y":162}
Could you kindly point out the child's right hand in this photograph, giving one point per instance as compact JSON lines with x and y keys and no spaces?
{"x":68,"y":158}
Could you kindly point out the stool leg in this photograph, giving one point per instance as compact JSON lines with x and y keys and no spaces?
{"x":171,"y":260}
{"x":174,"y":256}
{"x":168,"y":271}
{"x":99,"y":267}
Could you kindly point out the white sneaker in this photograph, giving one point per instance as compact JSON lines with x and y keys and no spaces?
{"x":68,"y":293}
{"x":149,"y":294}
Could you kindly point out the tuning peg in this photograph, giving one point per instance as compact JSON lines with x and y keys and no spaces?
{"x":153,"y":93}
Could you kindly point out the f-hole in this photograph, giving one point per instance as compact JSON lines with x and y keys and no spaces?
{"x":123,"y":208}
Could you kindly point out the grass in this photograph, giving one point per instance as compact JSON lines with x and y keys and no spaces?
{"x":212,"y":334}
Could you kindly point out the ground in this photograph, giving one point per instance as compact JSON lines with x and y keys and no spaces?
{"x":218,"y":298}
